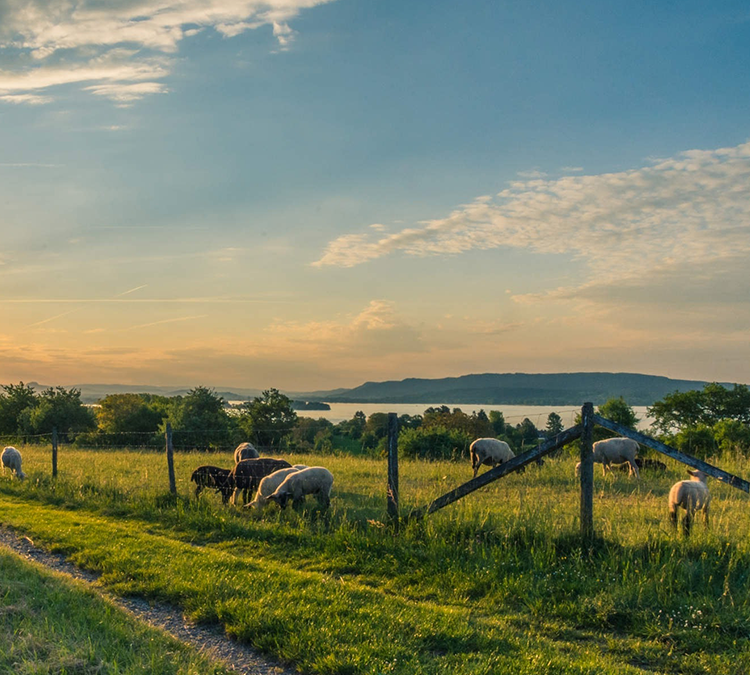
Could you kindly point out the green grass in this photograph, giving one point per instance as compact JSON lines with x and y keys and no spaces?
{"x":496,"y":583}
{"x":49,"y":624}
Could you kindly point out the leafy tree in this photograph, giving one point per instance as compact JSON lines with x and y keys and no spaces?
{"x":554,"y":425}
{"x":305,"y":433}
{"x":732,"y":436}
{"x":498,"y":422}
{"x":16,"y":399}
{"x":708,"y":406}
{"x":58,"y":408}
{"x":697,"y":441}
{"x":617,"y":410}
{"x":129,"y":413}
{"x":434,"y":443}
{"x":268,"y":419}
{"x":200,"y":420}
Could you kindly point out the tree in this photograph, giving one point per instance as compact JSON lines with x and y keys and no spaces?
{"x":498,"y":422}
{"x":708,"y":406}
{"x":200,"y":420}
{"x":554,"y":425}
{"x":129,"y":413}
{"x":16,"y":399}
{"x":61,"y":409}
{"x":433,"y":443}
{"x":617,"y":410}
{"x":268,"y":418}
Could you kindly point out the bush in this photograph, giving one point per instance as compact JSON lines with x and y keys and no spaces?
{"x":434,"y":443}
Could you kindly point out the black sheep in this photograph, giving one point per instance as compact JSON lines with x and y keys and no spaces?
{"x":213,"y":477}
{"x":248,"y":473}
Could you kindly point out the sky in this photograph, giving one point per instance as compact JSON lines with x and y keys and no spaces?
{"x":311,"y":194}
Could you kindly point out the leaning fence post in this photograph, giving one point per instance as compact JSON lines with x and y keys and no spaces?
{"x":170,"y":460}
{"x":392,"y":440}
{"x":54,"y":452}
{"x":587,"y":472}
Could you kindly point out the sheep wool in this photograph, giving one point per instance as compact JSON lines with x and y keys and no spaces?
{"x":269,"y":484}
{"x":245,"y":451}
{"x":315,"y":480}
{"x":691,"y":495}
{"x":489,"y":451}
{"x":11,"y":459}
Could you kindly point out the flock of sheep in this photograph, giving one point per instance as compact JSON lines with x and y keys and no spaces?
{"x":276,"y":480}
{"x":691,"y":495}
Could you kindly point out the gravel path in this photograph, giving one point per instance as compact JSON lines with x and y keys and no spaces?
{"x":212,"y":642}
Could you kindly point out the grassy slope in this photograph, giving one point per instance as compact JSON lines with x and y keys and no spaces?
{"x":494,"y":584}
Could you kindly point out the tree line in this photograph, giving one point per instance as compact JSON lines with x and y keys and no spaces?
{"x":700,"y":423}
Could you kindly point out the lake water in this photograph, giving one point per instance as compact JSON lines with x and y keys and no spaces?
{"x":513,"y":414}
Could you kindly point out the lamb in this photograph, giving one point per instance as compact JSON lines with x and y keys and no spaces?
{"x":489,"y":451}
{"x":213,"y":477}
{"x":314,"y":480}
{"x":617,"y":450}
{"x":269,"y":484}
{"x":691,"y":495}
{"x":12,"y":459}
{"x":245,"y":451}
{"x":247,"y":474}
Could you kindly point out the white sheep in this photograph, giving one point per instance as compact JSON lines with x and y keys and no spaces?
{"x":269,"y":484}
{"x":314,"y":480}
{"x":691,"y":495}
{"x":245,"y":451}
{"x":489,"y":451}
{"x":12,"y":459}
{"x":614,"y":451}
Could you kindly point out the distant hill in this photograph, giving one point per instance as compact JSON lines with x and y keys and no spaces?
{"x":519,"y":389}
{"x":487,"y":388}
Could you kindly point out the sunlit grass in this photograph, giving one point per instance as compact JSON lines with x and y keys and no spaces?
{"x":493,"y":583}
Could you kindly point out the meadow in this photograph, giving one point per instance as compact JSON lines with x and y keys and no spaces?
{"x":496,"y":583}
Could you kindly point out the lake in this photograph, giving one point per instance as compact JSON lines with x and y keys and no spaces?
{"x":513,"y":414}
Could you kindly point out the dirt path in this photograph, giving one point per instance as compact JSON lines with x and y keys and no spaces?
{"x":209,"y":641}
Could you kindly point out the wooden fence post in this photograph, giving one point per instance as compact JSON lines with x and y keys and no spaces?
{"x":170,"y":460}
{"x":54,"y":452}
{"x":587,"y":472}
{"x":392,"y":441}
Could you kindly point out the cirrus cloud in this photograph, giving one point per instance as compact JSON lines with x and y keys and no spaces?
{"x":44,"y":43}
{"x":692,"y":209}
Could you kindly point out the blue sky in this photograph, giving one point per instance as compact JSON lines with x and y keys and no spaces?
{"x":305,"y":194}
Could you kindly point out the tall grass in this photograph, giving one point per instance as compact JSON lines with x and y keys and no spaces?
{"x":462,"y":589}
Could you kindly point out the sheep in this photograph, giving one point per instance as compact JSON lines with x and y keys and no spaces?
{"x":12,"y":459}
{"x":246,"y":474}
{"x":245,"y":451}
{"x":617,"y":450}
{"x":314,"y":480}
{"x":691,"y":495}
{"x":489,"y":451}
{"x":647,"y":464}
{"x":269,"y":484}
{"x":213,"y":477}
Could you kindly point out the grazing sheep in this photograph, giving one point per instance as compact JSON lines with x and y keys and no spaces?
{"x":213,"y":477}
{"x":247,"y":474}
{"x":645,"y":464}
{"x":314,"y":480}
{"x":12,"y":459}
{"x":269,"y":484}
{"x":245,"y":451}
{"x":614,"y":451}
{"x":691,"y":495}
{"x":489,"y":451}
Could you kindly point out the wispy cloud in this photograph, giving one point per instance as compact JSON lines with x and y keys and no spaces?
{"x":124,"y":49}
{"x":52,"y":318}
{"x":132,"y":290}
{"x":692,"y":209}
{"x":163,"y":321}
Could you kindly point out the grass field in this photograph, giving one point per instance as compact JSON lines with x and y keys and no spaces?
{"x":497,"y":583}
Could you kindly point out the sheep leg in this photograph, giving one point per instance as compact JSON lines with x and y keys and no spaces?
{"x":673,"y":517}
{"x":633,"y":468}
{"x":705,"y":512}
{"x":198,"y":489}
{"x":687,"y":522}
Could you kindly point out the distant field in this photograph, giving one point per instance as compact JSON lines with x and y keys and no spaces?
{"x":496,"y":583}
